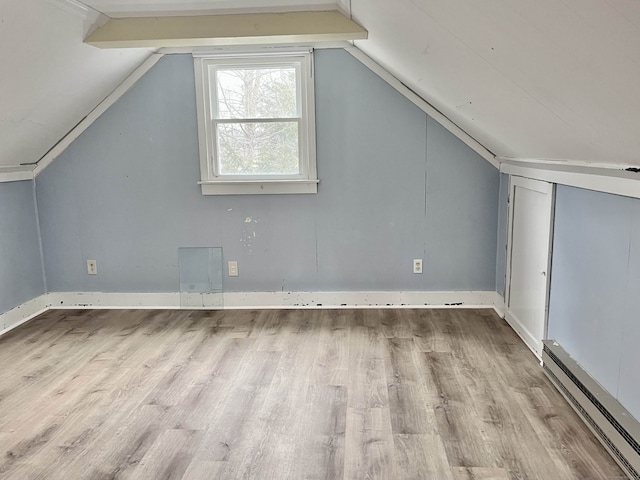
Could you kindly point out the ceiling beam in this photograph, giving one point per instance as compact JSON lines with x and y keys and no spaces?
{"x":224,"y":30}
{"x":16,"y":173}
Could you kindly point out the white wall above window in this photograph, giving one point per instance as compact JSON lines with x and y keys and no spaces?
{"x":256,"y":123}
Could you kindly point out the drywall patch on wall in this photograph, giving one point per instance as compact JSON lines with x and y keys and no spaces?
{"x":20,"y":261}
{"x":125,"y":193}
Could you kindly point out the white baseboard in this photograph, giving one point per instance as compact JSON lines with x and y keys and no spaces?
{"x":250,"y":300}
{"x":360,"y":299}
{"x":499,"y":305}
{"x":529,"y":340}
{"x":257,"y":300}
{"x":22,"y":313}
{"x":169,"y":300}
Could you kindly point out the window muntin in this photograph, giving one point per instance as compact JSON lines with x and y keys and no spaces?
{"x":258,"y":122}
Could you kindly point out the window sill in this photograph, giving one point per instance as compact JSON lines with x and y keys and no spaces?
{"x":259,"y":187}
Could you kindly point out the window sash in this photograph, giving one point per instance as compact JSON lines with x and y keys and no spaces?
{"x":242,"y":63}
{"x":215,"y":160}
{"x":211,"y":180}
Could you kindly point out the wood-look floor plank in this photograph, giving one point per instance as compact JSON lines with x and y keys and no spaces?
{"x":270,"y":445}
{"x":421,"y":456}
{"x":369,"y":447}
{"x":111,"y":449}
{"x":202,"y":470}
{"x":244,"y":398}
{"x":324,"y":443}
{"x":474,"y":473}
{"x":169,"y":456}
{"x":294,"y":394}
{"x":331,"y":365}
{"x":395,"y":323}
{"x":429,"y":330}
{"x":410,"y":414}
{"x":200,"y":407}
{"x":571,"y":443}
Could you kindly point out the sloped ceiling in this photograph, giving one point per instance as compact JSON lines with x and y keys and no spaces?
{"x":49,"y":80}
{"x":532,"y":79}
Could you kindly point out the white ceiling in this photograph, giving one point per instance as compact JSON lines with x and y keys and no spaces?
{"x":49,"y":80}
{"x":532,"y":79}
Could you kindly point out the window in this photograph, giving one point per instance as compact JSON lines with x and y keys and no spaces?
{"x":256,"y":124}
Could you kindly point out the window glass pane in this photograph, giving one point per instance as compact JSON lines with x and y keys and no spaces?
{"x":257,"y":92}
{"x":258,"y":148}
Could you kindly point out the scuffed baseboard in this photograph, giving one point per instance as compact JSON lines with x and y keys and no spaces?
{"x":254,"y":300}
{"x":23,"y":313}
{"x":250,"y":300}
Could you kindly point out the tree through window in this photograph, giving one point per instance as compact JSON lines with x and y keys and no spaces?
{"x":258,"y":124}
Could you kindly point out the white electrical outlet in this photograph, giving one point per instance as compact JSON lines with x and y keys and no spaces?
{"x":417,"y":265}
{"x":233,"y":268}
{"x":92,"y":267}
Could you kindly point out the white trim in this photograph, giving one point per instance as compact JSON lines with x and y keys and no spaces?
{"x":529,"y":340}
{"x":58,"y":300}
{"x":268,"y":48}
{"x":195,"y":8}
{"x":258,"y":300}
{"x":535,"y":345}
{"x":22,"y":313}
{"x":423,"y":105}
{"x":499,"y":305}
{"x":16,"y":173}
{"x":235,"y":29}
{"x":466,"y":299}
{"x":73,"y":6}
{"x":251,"y":300}
{"x":258,"y":187}
{"x":86,"y":122}
{"x":566,"y":162}
{"x":608,"y":180}
{"x":213,"y":182}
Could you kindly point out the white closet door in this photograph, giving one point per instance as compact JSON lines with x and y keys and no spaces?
{"x":529,"y":259}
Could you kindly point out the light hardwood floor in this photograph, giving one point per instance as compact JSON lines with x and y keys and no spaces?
{"x":291,"y":394}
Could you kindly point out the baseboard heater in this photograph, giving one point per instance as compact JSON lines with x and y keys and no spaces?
{"x":611,"y":423}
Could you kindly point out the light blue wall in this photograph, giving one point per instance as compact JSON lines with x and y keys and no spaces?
{"x":21,"y":277}
{"x":503,"y":221}
{"x":595,"y":283}
{"x":394,"y":185}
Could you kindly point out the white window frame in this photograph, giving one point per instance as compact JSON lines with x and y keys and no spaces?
{"x":212,"y":182}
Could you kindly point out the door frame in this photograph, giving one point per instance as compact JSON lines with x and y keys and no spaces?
{"x":517,"y":181}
